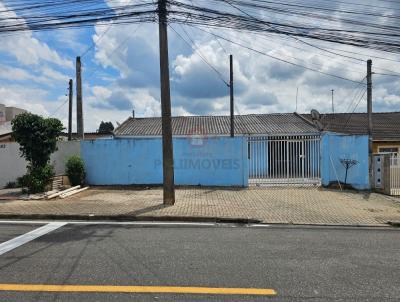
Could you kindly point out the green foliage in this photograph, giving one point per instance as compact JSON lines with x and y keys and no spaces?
{"x":105,"y":128}
{"x":75,"y":170}
{"x":37,"y":137}
{"x":37,"y":178}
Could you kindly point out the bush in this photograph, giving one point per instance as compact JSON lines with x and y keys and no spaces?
{"x":75,"y":170}
{"x":11,"y":185}
{"x":37,"y":178}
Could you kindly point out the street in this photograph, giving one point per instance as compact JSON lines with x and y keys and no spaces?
{"x":197,"y":262}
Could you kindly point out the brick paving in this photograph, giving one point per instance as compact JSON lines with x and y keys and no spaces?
{"x":268,"y":205}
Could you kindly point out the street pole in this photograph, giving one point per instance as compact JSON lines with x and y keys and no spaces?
{"x":70,"y":90}
{"x":231,"y":95}
{"x":369,"y":110}
{"x":79,"y":111}
{"x":333,"y":105}
{"x":168,"y":158}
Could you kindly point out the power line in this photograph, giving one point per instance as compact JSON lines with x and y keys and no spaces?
{"x":94,"y":43}
{"x":200,"y":54}
{"x":116,"y":49}
{"x":355,"y":107}
{"x":279,"y":59}
{"x":295,"y":38}
{"x":58,"y":108}
{"x":357,"y":90}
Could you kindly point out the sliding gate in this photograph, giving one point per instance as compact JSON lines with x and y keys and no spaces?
{"x":284,"y":159}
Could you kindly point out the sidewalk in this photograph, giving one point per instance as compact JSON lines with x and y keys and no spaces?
{"x":266,"y":205}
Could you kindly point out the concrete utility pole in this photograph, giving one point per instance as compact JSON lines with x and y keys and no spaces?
{"x":168,"y":157}
{"x":333,"y":105}
{"x":369,"y":110}
{"x":231,"y":95}
{"x":79,"y":111}
{"x":71,"y":92}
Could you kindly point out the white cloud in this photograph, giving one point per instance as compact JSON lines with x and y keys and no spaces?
{"x":262,"y":84}
{"x":27,"y":49}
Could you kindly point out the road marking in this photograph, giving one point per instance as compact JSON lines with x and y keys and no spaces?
{"x":260,"y":225}
{"x":137,"y":289}
{"x":134,"y":223}
{"x":25,"y":238}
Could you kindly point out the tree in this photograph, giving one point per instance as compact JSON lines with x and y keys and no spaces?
{"x":105,"y":128}
{"x":37,"y":137}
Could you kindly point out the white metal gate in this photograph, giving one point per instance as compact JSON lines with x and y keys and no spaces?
{"x":293,"y":159}
{"x":395,"y":175}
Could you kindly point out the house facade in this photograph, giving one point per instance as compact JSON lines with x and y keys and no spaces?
{"x":385,"y":133}
{"x":268,"y":149}
{"x":281,"y":148}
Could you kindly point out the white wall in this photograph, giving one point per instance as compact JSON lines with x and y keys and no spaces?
{"x":12,"y":165}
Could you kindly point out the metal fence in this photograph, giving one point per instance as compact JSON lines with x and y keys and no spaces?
{"x":394,"y":175}
{"x":283,"y":160}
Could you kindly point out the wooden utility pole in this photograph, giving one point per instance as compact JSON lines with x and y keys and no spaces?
{"x":168,"y":157}
{"x":70,"y":90}
{"x":369,"y":110}
{"x":79,"y":111}
{"x":231,"y":96}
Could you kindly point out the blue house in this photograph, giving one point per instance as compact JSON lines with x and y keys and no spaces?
{"x":268,"y":149}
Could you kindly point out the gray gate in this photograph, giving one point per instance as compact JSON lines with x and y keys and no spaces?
{"x":290,"y":159}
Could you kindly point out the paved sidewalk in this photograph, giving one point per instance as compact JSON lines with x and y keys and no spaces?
{"x":267,"y":205}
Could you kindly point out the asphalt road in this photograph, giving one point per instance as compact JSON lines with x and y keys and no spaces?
{"x":300,"y":264}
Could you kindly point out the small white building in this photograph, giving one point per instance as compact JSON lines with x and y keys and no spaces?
{"x":7,"y":114}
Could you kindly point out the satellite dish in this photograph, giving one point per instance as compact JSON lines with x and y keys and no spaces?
{"x":319,"y":125}
{"x":315,"y":114}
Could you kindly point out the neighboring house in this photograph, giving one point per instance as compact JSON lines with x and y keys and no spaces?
{"x":385,"y":125}
{"x":7,"y":114}
{"x":87,"y":135}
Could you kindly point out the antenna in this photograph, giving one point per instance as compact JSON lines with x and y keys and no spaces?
{"x":297,"y":94}
{"x":333,"y":105}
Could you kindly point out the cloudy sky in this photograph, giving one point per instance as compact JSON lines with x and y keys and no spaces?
{"x":121,"y":73}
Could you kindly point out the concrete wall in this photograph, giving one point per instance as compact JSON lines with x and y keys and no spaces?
{"x":338,"y":146}
{"x":65,"y":150}
{"x":12,"y":165}
{"x":218,"y":161}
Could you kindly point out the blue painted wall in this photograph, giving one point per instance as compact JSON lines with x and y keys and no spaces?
{"x":338,"y":146}
{"x":215,"y":161}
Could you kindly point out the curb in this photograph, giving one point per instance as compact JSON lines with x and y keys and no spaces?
{"x":128,"y":218}
{"x":195,"y":219}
